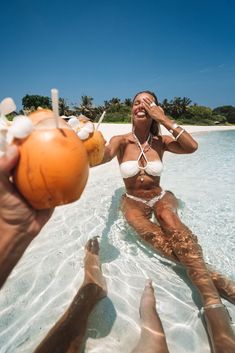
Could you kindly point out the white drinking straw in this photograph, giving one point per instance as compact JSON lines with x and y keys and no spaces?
{"x":100,"y":119}
{"x":55,"y":105}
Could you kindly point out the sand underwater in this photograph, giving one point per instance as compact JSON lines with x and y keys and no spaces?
{"x":47,"y":277}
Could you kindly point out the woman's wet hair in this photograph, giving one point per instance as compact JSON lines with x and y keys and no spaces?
{"x":155,"y":127}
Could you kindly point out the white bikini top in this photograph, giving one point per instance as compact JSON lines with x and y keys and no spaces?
{"x":129,"y":169}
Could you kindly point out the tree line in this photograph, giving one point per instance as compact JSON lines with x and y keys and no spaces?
{"x":181,"y":109}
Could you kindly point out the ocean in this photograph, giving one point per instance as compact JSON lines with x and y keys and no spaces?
{"x":44,"y":282}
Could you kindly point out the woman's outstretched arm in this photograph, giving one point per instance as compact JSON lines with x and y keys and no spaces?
{"x":112,"y":148}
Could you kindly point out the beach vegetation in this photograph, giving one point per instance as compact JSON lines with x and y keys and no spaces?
{"x":176,"y":107}
{"x":64,"y":108}
{"x":181,"y":109}
{"x":201,"y":115}
{"x":32,"y":102}
{"x":228,"y":111}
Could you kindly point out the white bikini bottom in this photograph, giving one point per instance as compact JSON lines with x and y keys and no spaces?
{"x":150,"y":202}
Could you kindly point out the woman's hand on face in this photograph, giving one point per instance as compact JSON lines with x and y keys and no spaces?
{"x":16,"y":215}
{"x":154,"y":111}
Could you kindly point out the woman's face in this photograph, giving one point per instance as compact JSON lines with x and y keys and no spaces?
{"x":138,"y":111}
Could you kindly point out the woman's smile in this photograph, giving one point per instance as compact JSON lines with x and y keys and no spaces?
{"x":141,"y":113}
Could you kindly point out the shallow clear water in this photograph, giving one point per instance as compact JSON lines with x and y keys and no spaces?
{"x":50,"y":272}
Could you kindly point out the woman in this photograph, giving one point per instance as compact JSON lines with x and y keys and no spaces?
{"x":140,"y":155}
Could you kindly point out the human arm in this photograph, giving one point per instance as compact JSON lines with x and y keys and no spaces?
{"x":19,"y":222}
{"x":113,"y":148}
{"x":182,"y":141}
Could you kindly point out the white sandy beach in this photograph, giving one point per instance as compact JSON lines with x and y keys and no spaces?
{"x":110,"y":130}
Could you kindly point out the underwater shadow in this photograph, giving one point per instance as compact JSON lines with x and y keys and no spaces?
{"x":133,"y":237}
{"x":108,"y":252}
{"x":100,"y":321}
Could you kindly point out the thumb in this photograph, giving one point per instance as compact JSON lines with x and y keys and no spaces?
{"x":9,"y":160}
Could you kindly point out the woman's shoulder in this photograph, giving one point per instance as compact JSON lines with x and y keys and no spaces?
{"x":158,"y":139}
{"x":123,"y":139}
{"x":160,"y":142}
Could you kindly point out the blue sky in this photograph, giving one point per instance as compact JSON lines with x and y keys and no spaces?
{"x":116,"y":48}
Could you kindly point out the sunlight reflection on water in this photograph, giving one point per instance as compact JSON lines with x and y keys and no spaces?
{"x":48,"y":276}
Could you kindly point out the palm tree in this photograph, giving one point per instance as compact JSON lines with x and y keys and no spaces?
{"x":115,"y":101}
{"x":86,"y":108}
{"x":186,"y":101}
{"x":86,"y":101}
{"x":166,"y":106}
{"x":63,"y":107}
{"x":179,"y":106}
{"x":106,"y":104}
{"x":128,"y":102}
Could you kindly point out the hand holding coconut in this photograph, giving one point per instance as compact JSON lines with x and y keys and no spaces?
{"x":53,"y":165}
{"x":54,"y":156}
{"x":42,"y":165}
{"x":19,"y":222}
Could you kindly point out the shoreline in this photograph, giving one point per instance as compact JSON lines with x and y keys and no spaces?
{"x":109,"y":129}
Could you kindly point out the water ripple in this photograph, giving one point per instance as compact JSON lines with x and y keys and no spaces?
{"x":46,"y":279}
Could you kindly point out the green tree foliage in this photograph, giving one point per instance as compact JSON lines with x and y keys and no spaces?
{"x":200,"y":115}
{"x":180,"y":109}
{"x":32,"y":102}
{"x":118,"y":113}
{"x":113,"y":104}
{"x":64,"y":107}
{"x":10,"y":116}
{"x":228,"y":111}
{"x":219,"y":119}
{"x":128,"y":102}
{"x":86,"y":101}
{"x":86,"y":107}
{"x":176,"y":107}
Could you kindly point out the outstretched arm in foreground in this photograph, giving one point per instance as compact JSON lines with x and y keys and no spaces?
{"x":19,"y":222}
{"x":68,"y":333}
{"x":152,"y":338}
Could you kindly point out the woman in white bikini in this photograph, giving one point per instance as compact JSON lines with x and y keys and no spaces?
{"x":140,"y":155}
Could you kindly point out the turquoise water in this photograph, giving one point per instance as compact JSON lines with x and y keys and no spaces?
{"x":50,"y":272}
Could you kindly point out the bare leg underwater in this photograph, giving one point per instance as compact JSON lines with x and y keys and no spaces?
{"x":172,"y":231}
{"x":68,"y":333}
{"x":152,"y":337}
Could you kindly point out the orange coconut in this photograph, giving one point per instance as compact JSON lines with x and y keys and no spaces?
{"x":95,"y":148}
{"x":53,"y":166}
{"x":42,"y":113}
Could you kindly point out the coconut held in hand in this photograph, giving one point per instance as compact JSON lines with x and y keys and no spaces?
{"x":92,"y":139}
{"x":53,"y":165}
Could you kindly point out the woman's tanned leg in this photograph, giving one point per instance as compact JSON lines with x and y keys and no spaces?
{"x":224,"y":285}
{"x":68,"y":333}
{"x":166,"y":213}
{"x":189,"y":253}
{"x":138,"y":216}
{"x":152,"y":338}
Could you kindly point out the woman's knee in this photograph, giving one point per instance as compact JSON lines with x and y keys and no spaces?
{"x":168,"y":216}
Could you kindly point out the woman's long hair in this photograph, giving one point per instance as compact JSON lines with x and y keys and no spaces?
{"x":155,"y":126}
